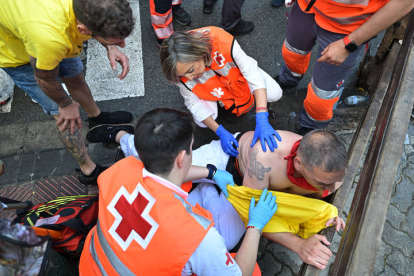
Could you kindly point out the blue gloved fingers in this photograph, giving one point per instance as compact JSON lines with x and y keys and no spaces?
{"x":262,"y":196}
{"x":255,"y":137}
{"x":278,"y":136}
{"x":252,"y":203}
{"x":222,"y":179}
{"x":232,"y":150}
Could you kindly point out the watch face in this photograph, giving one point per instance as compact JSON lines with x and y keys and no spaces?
{"x":351,"y":47}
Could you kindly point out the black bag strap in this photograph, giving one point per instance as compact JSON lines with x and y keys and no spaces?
{"x":310,"y":5}
{"x":76,"y":224}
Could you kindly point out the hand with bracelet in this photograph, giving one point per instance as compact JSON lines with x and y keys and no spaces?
{"x":264,"y":131}
{"x":260,"y":214}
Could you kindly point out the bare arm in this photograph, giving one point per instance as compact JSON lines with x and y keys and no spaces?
{"x":247,"y":254}
{"x":260,"y":95}
{"x":310,"y":250}
{"x":336,"y":53}
{"x":196,"y":172}
{"x":211,"y":123}
{"x":68,"y":109}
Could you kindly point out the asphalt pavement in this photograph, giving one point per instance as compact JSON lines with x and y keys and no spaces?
{"x":36,"y":161}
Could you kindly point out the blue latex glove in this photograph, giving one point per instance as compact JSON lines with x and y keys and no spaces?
{"x":222,"y":179}
{"x":226,"y":139}
{"x":265,"y":132}
{"x":266,"y":207}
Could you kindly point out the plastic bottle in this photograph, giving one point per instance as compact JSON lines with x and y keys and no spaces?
{"x":355,"y":99}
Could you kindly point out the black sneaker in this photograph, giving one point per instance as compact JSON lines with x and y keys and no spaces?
{"x":110,"y":118}
{"x":106,"y":133}
{"x":93,"y":177}
{"x":208,"y":8}
{"x":282,"y":85}
{"x":242,"y":28}
{"x":181,"y":16}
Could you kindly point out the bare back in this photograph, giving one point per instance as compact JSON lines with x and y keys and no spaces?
{"x":268,"y":170}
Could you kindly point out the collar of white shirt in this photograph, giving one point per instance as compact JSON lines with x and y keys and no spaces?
{"x":165,"y":182}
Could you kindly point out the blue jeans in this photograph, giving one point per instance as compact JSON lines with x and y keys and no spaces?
{"x":23,"y":77}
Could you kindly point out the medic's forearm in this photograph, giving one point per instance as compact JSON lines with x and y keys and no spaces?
{"x":382,"y":19}
{"x":247,"y":254}
{"x":196,"y":172}
{"x":211,"y":123}
{"x":260,"y":96}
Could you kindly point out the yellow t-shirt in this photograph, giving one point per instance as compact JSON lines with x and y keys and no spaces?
{"x":44,"y":29}
{"x":296,"y":214}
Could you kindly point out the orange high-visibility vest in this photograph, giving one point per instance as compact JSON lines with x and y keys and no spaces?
{"x":143,"y":228}
{"x":223,"y":81}
{"x":342,"y":16}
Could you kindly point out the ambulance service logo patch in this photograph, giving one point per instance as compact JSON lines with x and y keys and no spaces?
{"x":217,"y":92}
{"x":219,"y":59}
{"x":132,"y":219}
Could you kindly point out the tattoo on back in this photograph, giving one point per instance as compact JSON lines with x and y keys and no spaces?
{"x":256,"y":168}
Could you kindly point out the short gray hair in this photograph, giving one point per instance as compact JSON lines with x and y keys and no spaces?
{"x":184,"y":47}
{"x":322,"y":149}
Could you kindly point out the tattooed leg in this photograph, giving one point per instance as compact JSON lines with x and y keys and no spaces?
{"x":256,"y":168}
{"x":76,"y":146}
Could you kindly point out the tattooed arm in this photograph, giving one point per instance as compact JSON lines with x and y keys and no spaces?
{"x":257,"y":173}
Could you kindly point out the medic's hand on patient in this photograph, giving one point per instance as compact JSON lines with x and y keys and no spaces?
{"x":226,"y":139}
{"x":265,"y":132}
{"x":266,"y":207}
{"x":222,"y":179}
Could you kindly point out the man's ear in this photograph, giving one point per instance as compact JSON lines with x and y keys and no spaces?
{"x":297,"y":164}
{"x":83,"y":29}
{"x":180,"y":159}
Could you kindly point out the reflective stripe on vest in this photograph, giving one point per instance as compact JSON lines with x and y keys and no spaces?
{"x":344,"y":20}
{"x":201,"y":80}
{"x":210,"y":74}
{"x":226,"y":69}
{"x":353,"y":2}
{"x":205,"y":223}
{"x":116,"y":263}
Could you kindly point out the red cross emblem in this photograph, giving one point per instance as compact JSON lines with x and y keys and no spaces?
{"x":229,"y":259}
{"x":219,"y":59}
{"x":132,"y":219}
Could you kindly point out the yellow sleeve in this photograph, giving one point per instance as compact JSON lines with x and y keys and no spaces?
{"x":45,"y":43}
{"x":296,"y":214}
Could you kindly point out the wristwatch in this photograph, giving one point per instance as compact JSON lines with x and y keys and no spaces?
{"x":211,"y":171}
{"x":350,"y":45}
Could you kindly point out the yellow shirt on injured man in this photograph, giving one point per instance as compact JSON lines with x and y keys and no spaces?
{"x":296,"y":214}
{"x":46,"y":30}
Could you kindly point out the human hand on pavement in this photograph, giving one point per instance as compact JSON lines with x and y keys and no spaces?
{"x":227,"y":140}
{"x":313,"y":252}
{"x":69,"y":115}
{"x":265,"y":132}
{"x":335,"y":53}
{"x":222,"y":179}
{"x":114,"y":56}
{"x":338,"y":222}
{"x":266,"y":207}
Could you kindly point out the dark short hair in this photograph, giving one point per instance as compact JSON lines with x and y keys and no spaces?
{"x":160,"y":135}
{"x":322,"y":149}
{"x":105,"y":18}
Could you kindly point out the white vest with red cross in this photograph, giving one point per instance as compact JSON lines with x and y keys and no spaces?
{"x":223,"y":81}
{"x":145,"y":227}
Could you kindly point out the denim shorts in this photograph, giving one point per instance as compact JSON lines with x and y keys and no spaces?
{"x":23,"y":77}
